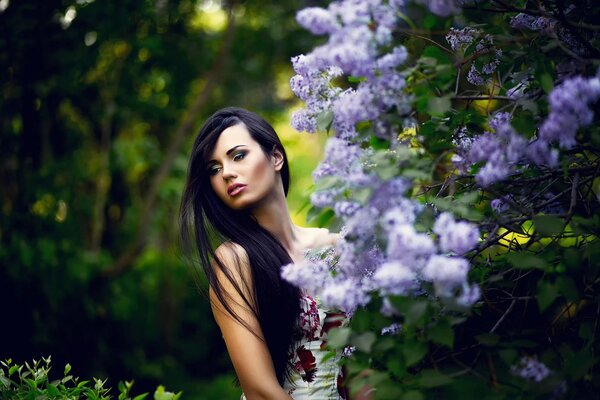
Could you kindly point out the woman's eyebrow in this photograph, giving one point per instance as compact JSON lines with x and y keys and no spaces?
{"x":228,"y":152}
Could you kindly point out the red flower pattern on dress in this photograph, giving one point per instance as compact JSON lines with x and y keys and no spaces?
{"x":306,"y":364}
{"x":308,"y":320}
{"x":332,"y":320}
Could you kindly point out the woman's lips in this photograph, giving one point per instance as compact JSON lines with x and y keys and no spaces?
{"x":236,"y":189}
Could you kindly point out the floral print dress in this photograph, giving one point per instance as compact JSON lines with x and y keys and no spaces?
{"x":315,"y":370}
{"x":316,"y":373}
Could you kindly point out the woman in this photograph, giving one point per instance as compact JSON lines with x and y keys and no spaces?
{"x":234,"y":200}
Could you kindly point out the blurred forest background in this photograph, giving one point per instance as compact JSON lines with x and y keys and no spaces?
{"x":100,"y":102}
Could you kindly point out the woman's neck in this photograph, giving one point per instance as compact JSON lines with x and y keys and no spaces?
{"x":274,"y":216}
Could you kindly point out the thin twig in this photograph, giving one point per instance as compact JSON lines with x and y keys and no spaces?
{"x":503,"y":317}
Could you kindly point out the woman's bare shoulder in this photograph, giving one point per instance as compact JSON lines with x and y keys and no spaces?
{"x":229,"y":250}
{"x":320,"y":237}
{"x":232,"y":257}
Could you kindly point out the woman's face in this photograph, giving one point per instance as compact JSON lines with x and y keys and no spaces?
{"x":240,"y":172}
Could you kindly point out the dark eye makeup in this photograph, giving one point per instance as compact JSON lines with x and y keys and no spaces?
{"x":214,"y":168}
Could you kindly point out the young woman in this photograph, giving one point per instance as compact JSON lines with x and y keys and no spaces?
{"x":234,"y":216}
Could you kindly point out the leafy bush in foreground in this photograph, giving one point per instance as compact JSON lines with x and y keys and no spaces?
{"x":32,"y":381}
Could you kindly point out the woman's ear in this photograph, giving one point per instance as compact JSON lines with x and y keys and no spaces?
{"x":277,"y":157}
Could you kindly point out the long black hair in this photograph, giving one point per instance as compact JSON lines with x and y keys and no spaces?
{"x":205,"y":221}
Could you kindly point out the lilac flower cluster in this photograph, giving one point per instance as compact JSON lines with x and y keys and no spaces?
{"x":503,"y":150}
{"x":461,"y":39}
{"x":499,"y":150}
{"x":570,"y":109}
{"x":379,"y":249}
{"x":392,"y":329}
{"x":532,"y":23}
{"x":483,"y":75}
{"x":443,"y":8}
{"x":357,"y":31}
{"x":456,"y":237}
{"x":531,"y":369}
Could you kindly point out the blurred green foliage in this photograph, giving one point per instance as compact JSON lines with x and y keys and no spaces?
{"x":100,"y":103}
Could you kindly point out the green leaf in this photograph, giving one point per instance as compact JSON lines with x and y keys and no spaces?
{"x":413,"y":395}
{"x":431,"y":378}
{"x":578,"y":363}
{"x":396,"y":366}
{"x":388,"y":390}
{"x":548,"y":225}
{"x":162,"y":394}
{"x":5,"y":381}
{"x":438,"y":106}
{"x":141,"y":396}
{"x":324,"y":121}
{"x":364,"y":341}
{"x":566,"y":286}
{"x":525,"y":260}
{"x":338,"y":337}
{"x":67,"y":369}
{"x":546,"y":294}
{"x":546,"y":82}
{"x":488,"y":339}
{"x":362,"y":195}
{"x":52,"y":390}
{"x":442,"y":333}
{"x":414,"y":352}
{"x":416,"y":174}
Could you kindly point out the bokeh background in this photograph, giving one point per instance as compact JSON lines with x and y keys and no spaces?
{"x":99,"y":104}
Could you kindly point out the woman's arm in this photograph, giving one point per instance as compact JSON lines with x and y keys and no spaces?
{"x":249,"y":353}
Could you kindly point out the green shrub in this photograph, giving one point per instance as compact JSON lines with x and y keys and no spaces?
{"x":32,"y":382}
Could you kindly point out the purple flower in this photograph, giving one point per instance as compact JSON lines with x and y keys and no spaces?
{"x":460,"y":39}
{"x":474,"y":77}
{"x":404,"y":213}
{"x":446,"y":273}
{"x":498,"y":205}
{"x":355,"y":106}
{"x":457,"y":237}
{"x":389,"y":193}
{"x":394,"y":278}
{"x":531,"y":369}
{"x":499,"y":120}
{"x":392,"y":329}
{"x":443,"y":8}
{"x":317,"y":20}
{"x":303,"y":121}
{"x":405,"y":243}
{"x":495,"y":170}
{"x":570,"y":109}
{"x":532,"y":23}
{"x":469,"y":295}
{"x":540,"y":153}
{"x":307,"y":275}
{"x":345,"y":295}
{"x":392,"y":60}
{"x":340,"y":159}
{"x":325,"y":198}
{"x":346,"y":209}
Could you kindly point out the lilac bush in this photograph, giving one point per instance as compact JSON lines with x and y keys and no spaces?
{"x":462,"y":170}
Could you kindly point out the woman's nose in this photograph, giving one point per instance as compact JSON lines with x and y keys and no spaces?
{"x":228,"y":172}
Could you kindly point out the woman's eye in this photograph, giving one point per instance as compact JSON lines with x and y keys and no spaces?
{"x":213,"y":170}
{"x":239,"y":156}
